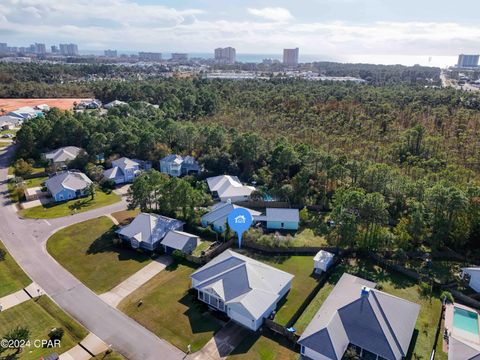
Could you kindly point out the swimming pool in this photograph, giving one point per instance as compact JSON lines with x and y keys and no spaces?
{"x":465,"y":320}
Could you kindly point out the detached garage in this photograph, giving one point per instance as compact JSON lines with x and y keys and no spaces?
{"x":247,"y":290}
{"x":179,"y":240}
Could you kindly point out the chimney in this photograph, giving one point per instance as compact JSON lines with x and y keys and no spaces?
{"x":365,"y":292}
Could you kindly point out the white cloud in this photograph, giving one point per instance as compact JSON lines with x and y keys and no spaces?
{"x":272,"y":13}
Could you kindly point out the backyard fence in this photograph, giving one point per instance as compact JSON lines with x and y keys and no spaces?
{"x":210,"y":254}
{"x":290,"y":250}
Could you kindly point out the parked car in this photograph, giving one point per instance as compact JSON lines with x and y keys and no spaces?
{"x":7,"y":136}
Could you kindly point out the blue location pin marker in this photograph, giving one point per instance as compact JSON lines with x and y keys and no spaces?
{"x":240,"y":220}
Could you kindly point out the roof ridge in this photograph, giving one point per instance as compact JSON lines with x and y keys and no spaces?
{"x":390,"y":329}
{"x":223,"y":272}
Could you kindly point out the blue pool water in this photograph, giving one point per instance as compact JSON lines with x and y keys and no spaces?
{"x":465,"y":320}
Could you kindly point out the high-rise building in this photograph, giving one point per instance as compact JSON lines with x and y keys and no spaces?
{"x":467,"y":61}
{"x":150,"y":56}
{"x":225,"y":55}
{"x":179,"y":57}
{"x":3,"y":48}
{"x":290,"y":57}
{"x":40,"y":49}
{"x":69,"y":49}
{"x":110,"y":53}
{"x":54,"y":49}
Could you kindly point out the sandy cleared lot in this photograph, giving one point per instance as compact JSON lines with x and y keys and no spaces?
{"x":13,"y":104}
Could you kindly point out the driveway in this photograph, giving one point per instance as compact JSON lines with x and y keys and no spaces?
{"x":25,"y":239}
{"x":222,"y":344}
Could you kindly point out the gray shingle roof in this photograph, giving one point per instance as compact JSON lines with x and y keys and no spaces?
{"x":74,"y":181}
{"x":67,"y":153}
{"x":150,"y":228}
{"x":378,"y":322}
{"x":241,"y":280}
{"x":178,"y":239}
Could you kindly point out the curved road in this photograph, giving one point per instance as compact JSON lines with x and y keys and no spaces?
{"x":25,"y":240}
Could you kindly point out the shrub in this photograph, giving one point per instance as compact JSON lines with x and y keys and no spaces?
{"x":56,"y":334}
{"x":3,"y":254}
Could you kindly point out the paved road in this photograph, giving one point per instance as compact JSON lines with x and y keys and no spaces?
{"x":25,"y":239}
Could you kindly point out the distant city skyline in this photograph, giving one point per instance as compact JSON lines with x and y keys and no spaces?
{"x":336,"y":29}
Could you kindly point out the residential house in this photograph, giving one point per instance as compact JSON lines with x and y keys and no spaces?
{"x":62,"y":156}
{"x":375,"y":324}
{"x":322,"y":261}
{"x":229,"y":188}
{"x":245,"y":289}
{"x":114,"y":103}
{"x":89,"y":104}
{"x":123,"y":170}
{"x":147,"y":231}
{"x":42,"y":107}
{"x":7,"y":119}
{"x":176,"y":165}
{"x":473,"y":276}
{"x":218,"y":214}
{"x":181,"y":241}
{"x":68,"y":185}
{"x":280,"y":219}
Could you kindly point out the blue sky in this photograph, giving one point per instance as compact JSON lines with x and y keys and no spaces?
{"x":334,"y":28}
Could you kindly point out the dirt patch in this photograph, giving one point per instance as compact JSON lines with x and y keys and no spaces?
{"x":13,"y":104}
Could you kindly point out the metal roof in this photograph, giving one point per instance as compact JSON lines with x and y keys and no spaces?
{"x":178,"y":239}
{"x":67,"y":180}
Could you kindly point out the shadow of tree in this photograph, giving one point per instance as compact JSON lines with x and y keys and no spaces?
{"x":199,"y":317}
{"x":106,"y":243}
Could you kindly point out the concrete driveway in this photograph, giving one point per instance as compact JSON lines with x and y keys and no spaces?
{"x":25,"y":239}
{"x":222,"y":344}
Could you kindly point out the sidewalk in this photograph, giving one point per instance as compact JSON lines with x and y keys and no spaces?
{"x":91,"y":345}
{"x":30,"y":292}
{"x":125,"y":288}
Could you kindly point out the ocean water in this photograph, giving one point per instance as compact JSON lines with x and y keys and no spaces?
{"x":386,"y":59}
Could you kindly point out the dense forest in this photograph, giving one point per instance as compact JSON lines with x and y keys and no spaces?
{"x":393,"y":166}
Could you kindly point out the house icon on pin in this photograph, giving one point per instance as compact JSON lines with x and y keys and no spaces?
{"x":240,"y":219}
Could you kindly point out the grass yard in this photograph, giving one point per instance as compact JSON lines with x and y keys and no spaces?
{"x":12,"y":278}
{"x":53,"y":210}
{"x":35,"y":182}
{"x":170,"y":310}
{"x":40,"y":317}
{"x":4,"y":144}
{"x":88,"y":251}
{"x":108,"y":356}
{"x":266,"y":346}
{"x":391,"y":283}
{"x":306,"y":237}
{"x":125,"y":217}
{"x":302,"y":284}
{"x":203,"y":246}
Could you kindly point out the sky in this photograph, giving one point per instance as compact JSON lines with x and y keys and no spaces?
{"x":328,"y":28}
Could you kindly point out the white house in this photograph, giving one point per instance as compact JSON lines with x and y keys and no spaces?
{"x":114,"y":103}
{"x":474,"y":274}
{"x":25,"y":113}
{"x":229,"y":188}
{"x":176,"y":165}
{"x":322,"y":261}
{"x":247,"y":290}
{"x":123,"y":170}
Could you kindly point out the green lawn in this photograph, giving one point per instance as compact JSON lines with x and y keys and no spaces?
{"x":125,"y":217}
{"x":111,"y":356}
{"x":170,"y":310}
{"x":204,"y":245}
{"x":391,"y":283}
{"x":303,"y":283}
{"x":67,"y":208}
{"x":267,"y":346}
{"x":12,"y":278}
{"x":40,"y":316}
{"x":4,"y":144}
{"x":88,"y":251}
{"x":307,"y":238}
{"x":12,"y":131}
{"x":35,"y":182}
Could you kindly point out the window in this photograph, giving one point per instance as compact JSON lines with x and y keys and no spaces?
{"x":281,"y":225}
{"x":221,"y":305}
{"x":302,"y":350}
{"x":200,"y":295}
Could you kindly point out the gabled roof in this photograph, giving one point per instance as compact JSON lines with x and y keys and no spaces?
{"x":459,"y":350}
{"x":228,"y":186}
{"x":125,"y":163}
{"x":323,"y":256}
{"x":172,"y":158}
{"x":114,"y":103}
{"x":74,"y":181}
{"x":240,"y":280}
{"x":373,"y":320}
{"x":67,"y":153}
{"x":149,"y":228}
{"x":219,"y":213}
{"x":471,"y":270}
{"x":178,"y":239}
{"x":280,"y":214}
